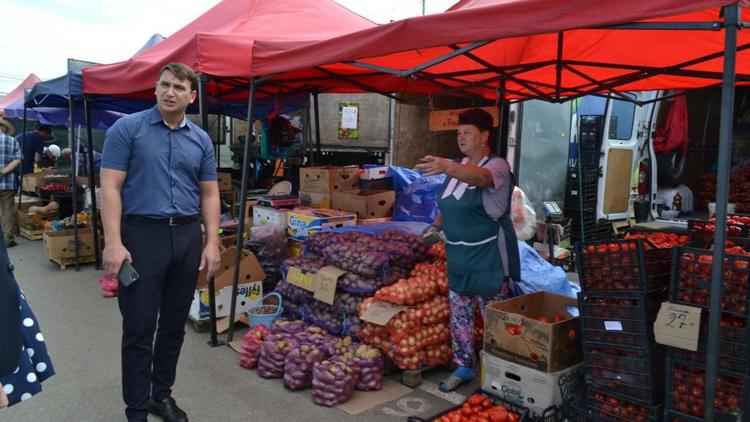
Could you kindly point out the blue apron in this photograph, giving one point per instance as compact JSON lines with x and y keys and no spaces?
{"x":474,"y":263}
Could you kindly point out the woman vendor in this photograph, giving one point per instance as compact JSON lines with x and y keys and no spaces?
{"x":481,"y":245}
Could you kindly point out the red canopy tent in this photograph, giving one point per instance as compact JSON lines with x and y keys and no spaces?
{"x":18,"y":92}
{"x":547,"y":49}
{"x":219,"y":43}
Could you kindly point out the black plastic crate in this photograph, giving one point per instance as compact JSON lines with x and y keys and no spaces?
{"x":613,"y":332}
{"x":734,"y":345}
{"x":691,"y":280}
{"x":590,"y":131}
{"x":583,"y":174}
{"x":634,"y":373}
{"x":606,"y":406}
{"x":629,"y":265}
{"x":589,"y":158}
{"x":702,"y":231}
{"x":621,"y":305}
{"x":521,"y":411}
{"x":685,"y":393}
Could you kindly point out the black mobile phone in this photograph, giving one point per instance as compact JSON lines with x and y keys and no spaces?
{"x":128,"y":275}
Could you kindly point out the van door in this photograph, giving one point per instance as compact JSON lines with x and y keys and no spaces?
{"x":627,"y":128}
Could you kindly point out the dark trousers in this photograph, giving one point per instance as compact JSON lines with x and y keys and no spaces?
{"x":167,"y":260}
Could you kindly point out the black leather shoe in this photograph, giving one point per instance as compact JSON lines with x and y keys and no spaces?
{"x":167,"y":409}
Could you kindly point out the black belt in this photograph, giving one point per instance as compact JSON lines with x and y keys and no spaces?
{"x":169,"y":221}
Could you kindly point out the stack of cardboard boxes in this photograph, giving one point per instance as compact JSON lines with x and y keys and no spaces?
{"x":532,"y":352}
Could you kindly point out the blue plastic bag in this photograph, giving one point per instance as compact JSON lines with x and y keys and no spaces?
{"x":539,"y":275}
{"x":418,"y":202}
{"x":402,"y":178}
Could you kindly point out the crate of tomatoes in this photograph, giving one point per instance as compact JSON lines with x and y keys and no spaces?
{"x":634,"y":372}
{"x":685,"y":395}
{"x":691,"y":278}
{"x":733,"y":345}
{"x":615,"y":407}
{"x":479,"y":407}
{"x":638,"y":264}
{"x":702,"y":231}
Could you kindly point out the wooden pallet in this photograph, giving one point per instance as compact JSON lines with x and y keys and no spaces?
{"x":65,"y":262}
{"x":31,"y":234}
{"x":411,"y":378}
{"x":199,"y":325}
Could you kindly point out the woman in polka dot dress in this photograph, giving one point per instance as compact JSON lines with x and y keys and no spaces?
{"x":24,"y":362}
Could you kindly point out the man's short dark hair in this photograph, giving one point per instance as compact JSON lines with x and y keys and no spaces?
{"x":44,"y":128}
{"x":183,"y":73}
{"x":477,"y":117}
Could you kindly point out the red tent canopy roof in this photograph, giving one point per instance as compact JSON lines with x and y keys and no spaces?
{"x":540,"y":48}
{"x":219,"y":42}
{"x":18,"y":92}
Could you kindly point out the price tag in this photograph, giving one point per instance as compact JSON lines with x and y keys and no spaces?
{"x":300,"y":278}
{"x":325,"y":283}
{"x":613,"y":325}
{"x":380,"y":313}
{"x":678,"y":326}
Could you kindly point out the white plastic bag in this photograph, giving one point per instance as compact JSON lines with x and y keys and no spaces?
{"x":522,"y":214}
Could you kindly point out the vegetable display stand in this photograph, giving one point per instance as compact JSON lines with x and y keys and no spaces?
{"x":31,"y":234}
{"x":483,"y":405}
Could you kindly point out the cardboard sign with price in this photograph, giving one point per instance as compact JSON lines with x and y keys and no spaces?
{"x":678,"y":326}
{"x":325,"y":283}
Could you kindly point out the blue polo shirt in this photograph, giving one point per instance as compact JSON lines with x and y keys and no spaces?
{"x":33,"y":144}
{"x":165,"y":166}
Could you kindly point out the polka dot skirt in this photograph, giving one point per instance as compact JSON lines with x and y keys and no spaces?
{"x":34,"y":365}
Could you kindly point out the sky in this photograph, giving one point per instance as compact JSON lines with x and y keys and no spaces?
{"x":40,"y":35}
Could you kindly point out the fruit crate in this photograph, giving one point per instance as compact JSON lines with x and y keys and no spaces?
{"x":589,"y":158}
{"x":585,"y":174}
{"x":685,"y":393}
{"x":691,"y":280}
{"x":605,"y":332}
{"x":702,"y":232}
{"x":637,"y":374}
{"x":606,"y":406}
{"x":734,"y":346}
{"x":629,"y":265}
{"x":519,"y":410}
{"x":622,"y":305}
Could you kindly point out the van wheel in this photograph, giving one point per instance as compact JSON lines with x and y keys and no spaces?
{"x":670,"y":167}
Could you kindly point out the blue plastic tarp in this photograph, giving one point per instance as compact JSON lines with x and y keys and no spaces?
{"x":539,"y":275}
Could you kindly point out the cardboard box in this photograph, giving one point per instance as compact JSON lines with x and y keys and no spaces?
{"x":34,"y":221}
{"x":267,"y":215}
{"x":512,"y":333}
{"x":61,"y":244}
{"x":373,"y":173}
{"x":373,"y":220}
{"x":328,"y":179}
{"x":32,"y":181}
{"x":249,"y":295}
{"x":535,"y":390}
{"x":294,"y":247}
{"x":315,"y":200}
{"x":250,"y":270}
{"x":302,"y":222}
{"x":365,"y":203}
{"x":225,"y":181}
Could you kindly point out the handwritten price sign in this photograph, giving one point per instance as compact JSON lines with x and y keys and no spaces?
{"x":678,"y":326}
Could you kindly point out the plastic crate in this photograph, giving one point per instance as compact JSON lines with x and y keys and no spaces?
{"x":605,"y":406}
{"x":685,"y":393}
{"x":634,"y":373}
{"x":734,"y":345}
{"x":604,"y":332}
{"x":691,"y":280}
{"x":520,"y":411}
{"x":630,"y":265}
{"x":702,"y":232}
{"x":621,"y":305}
{"x":583,"y":174}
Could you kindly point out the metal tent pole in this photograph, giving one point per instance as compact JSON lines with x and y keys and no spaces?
{"x":732,"y":22}
{"x":92,"y":184}
{"x":243,"y":195}
{"x":74,"y":189}
{"x":317,"y":123}
{"x":23,"y":143}
{"x":213,"y":342}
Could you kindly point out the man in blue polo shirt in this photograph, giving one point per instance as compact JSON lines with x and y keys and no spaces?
{"x":158,"y":177}
{"x":32,"y":146}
